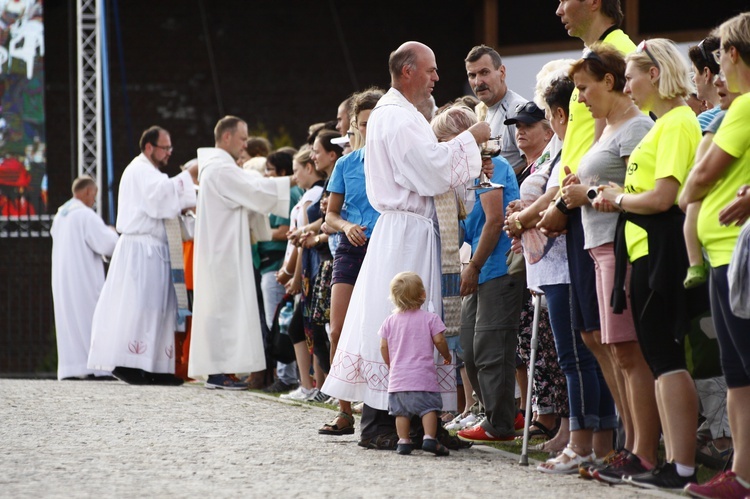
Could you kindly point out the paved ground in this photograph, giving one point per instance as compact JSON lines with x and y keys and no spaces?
{"x":109,"y":439}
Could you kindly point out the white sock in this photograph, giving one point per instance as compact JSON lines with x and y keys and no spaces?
{"x":404,"y":440}
{"x":428,"y":437}
{"x":683,"y":470}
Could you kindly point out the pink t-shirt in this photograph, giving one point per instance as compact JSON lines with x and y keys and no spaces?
{"x":411,"y":350}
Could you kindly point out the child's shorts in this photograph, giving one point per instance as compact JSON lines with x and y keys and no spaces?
{"x":410,"y":404}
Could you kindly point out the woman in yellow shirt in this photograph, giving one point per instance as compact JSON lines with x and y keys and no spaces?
{"x":723,"y":171}
{"x":657,"y":80}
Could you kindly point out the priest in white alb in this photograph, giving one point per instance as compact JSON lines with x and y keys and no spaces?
{"x":136,"y":316}
{"x":80,"y":239}
{"x":232,"y":207}
{"x":405,"y":167}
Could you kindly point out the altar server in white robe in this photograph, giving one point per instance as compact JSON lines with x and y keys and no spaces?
{"x":135,"y":318}
{"x":405,"y":167}
{"x":80,"y":239}
{"x":233,"y":203}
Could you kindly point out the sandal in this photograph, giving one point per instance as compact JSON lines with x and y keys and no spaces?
{"x":566,"y":463}
{"x":435,"y":447}
{"x":333,"y":427}
{"x":540,"y":430}
{"x":709,"y":455}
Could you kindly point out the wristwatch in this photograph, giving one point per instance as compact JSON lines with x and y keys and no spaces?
{"x":317,"y":240}
{"x":560,"y":205}
{"x":592,"y":193}
{"x":519,"y":225}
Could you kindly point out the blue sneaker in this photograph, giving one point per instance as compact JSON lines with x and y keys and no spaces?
{"x":224,"y":382}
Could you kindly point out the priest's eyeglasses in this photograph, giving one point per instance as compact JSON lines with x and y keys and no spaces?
{"x":165,"y":148}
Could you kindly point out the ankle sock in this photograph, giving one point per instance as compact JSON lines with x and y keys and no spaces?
{"x":428,"y":437}
{"x":742,"y":482}
{"x":403,"y":441}
{"x":683,"y":470}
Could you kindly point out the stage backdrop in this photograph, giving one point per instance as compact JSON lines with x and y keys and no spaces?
{"x":23,"y":160}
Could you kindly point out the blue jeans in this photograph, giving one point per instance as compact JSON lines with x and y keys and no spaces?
{"x":591,"y":404}
{"x":273,"y":292}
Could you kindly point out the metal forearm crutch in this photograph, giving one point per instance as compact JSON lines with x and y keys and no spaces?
{"x":537,"y":300}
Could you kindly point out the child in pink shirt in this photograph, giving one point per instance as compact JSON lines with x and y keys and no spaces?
{"x":408,"y":338}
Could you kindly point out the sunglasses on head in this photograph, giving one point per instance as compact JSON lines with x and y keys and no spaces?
{"x":529,"y":107}
{"x":643,"y":48}
{"x":590,"y":55}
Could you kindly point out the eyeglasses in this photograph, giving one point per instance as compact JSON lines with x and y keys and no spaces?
{"x":641,"y":48}
{"x":717,"y":54}
{"x":165,"y":148}
{"x":529,"y":107}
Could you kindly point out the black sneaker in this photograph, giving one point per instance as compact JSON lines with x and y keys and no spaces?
{"x":279,"y":386}
{"x":662,"y":477}
{"x":612,"y":474}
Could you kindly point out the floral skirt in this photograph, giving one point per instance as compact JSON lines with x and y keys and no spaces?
{"x":550,"y":394}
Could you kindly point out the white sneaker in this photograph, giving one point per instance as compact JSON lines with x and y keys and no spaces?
{"x":472,"y":420}
{"x":454,"y":424}
{"x":301,"y":394}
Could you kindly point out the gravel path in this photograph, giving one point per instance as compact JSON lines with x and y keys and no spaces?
{"x":109,"y":439}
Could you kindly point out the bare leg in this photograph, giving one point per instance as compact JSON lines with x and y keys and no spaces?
{"x":302,"y":355}
{"x":602,"y":442}
{"x":320,"y":375}
{"x":678,"y":402}
{"x":429,"y":423}
{"x":738,"y":404}
{"x":403,"y":425}
{"x":561,"y":439}
{"x":522,"y":378}
{"x":468,"y":391}
{"x":341,"y":295}
{"x":603,"y":354}
{"x":641,"y":399}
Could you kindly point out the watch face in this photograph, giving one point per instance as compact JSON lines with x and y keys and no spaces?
{"x":592,"y":193}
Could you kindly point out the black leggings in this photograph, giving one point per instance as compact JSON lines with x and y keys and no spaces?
{"x":654,"y":316}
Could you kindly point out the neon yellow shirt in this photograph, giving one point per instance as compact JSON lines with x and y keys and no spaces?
{"x":580,"y":134}
{"x":667,"y":150}
{"x":733,"y":137}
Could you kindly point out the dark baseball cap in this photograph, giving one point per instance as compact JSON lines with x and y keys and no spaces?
{"x":528,"y":113}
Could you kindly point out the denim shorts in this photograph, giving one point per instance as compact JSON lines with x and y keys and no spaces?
{"x":410,"y":404}
{"x":347,"y":262}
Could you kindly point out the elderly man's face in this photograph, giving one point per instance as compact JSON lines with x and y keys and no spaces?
{"x":487,"y":82}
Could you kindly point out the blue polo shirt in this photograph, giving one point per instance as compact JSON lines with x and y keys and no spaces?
{"x":495,"y":265}
{"x":348,"y":178}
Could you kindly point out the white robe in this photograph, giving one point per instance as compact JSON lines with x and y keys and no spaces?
{"x":226,"y":335}
{"x":79,"y":240}
{"x":135,"y":317}
{"x":405,"y":167}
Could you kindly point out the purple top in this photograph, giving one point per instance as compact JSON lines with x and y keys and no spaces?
{"x":411,"y":350}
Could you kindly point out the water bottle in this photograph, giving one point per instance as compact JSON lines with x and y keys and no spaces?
{"x":285,"y":318}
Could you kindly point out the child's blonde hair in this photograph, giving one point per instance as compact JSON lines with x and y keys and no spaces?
{"x":407,"y":291}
